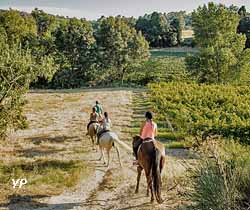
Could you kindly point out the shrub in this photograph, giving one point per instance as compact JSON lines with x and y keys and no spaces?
{"x":222,"y":182}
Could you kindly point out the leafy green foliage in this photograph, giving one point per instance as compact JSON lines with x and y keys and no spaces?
{"x":74,"y":41}
{"x":119,"y":46}
{"x":222,"y":57}
{"x":204,"y":110}
{"x":178,"y":25}
{"x":163,"y":30}
{"x":244,"y":28}
{"x":45,"y":23}
{"x":19,"y":28}
{"x":157,"y":70}
{"x":222,"y":182}
{"x":187,"y":18}
{"x":157,"y":30}
{"x":18,"y":69}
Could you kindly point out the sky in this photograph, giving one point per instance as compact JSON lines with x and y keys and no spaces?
{"x":93,"y":9}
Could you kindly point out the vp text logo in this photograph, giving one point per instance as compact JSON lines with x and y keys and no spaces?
{"x":19,"y":183}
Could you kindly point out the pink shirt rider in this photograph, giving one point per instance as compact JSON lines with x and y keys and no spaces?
{"x":148,"y":130}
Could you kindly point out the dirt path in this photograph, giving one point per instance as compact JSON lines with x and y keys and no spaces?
{"x":106,"y":188}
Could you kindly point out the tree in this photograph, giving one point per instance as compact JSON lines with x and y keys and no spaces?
{"x":119,"y":45}
{"x":244,"y":25}
{"x":157,"y":30}
{"x":74,"y":42}
{"x":242,"y":11}
{"x":221,"y":57}
{"x":178,"y":25}
{"x":45,"y":23}
{"x":18,"y":69}
{"x":19,"y":28}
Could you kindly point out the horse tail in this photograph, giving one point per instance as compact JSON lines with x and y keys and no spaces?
{"x":121,"y":143}
{"x":156,"y":175}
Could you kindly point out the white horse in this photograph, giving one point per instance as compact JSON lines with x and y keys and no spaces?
{"x":108,"y":140}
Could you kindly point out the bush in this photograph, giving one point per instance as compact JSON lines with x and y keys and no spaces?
{"x":222,"y":182}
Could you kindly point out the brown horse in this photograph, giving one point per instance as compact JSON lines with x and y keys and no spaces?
{"x":92,"y":132}
{"x":151,"y":158}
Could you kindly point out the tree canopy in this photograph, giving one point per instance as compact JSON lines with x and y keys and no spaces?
{"x":159,"y":31}
{"x":119,"y":45}
{"x":221,"y":57}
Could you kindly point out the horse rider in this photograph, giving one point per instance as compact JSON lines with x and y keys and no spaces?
{"x":94,"y":117}
{"x":105,"y":126}
{"x":98,"y":107}
{"x":148,"y":131}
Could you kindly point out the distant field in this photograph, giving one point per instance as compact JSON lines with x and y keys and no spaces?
{"x":187,"y":34}
{"x":173,"y":51}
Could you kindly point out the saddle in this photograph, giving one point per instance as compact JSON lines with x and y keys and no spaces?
{"x":138,"y":144}
{"x":101,"y":133}
{"x":93,"y":121}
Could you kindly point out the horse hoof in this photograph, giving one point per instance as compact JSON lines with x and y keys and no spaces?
{"x":152,"y":200}
{"x":136,"y":191}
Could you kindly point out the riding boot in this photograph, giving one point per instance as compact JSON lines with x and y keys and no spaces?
{"x":135,"y":163}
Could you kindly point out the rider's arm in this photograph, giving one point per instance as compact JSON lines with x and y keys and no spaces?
{"x":101,"y":120}
{"x":156,"y":131}
{"x":90,"y":116}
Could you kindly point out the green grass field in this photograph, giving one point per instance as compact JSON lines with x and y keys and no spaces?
{"x":172,"y":52}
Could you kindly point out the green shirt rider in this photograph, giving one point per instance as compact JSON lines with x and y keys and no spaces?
{"x":98,"y":108}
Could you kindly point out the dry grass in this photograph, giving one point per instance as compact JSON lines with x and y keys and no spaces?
{"x":53,"y":153}
{"x":43,"y":175}
{"x":45,"y":153}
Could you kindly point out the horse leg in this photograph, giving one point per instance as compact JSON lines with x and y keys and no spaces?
{"x":108,"y":153}
{"x":93,"y":145}
{"x":139,"y":170}
{"x":118,"y":154}
{"x":162,"y":163}
{"x":149,"y":182}
{"x":103,"y":155}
